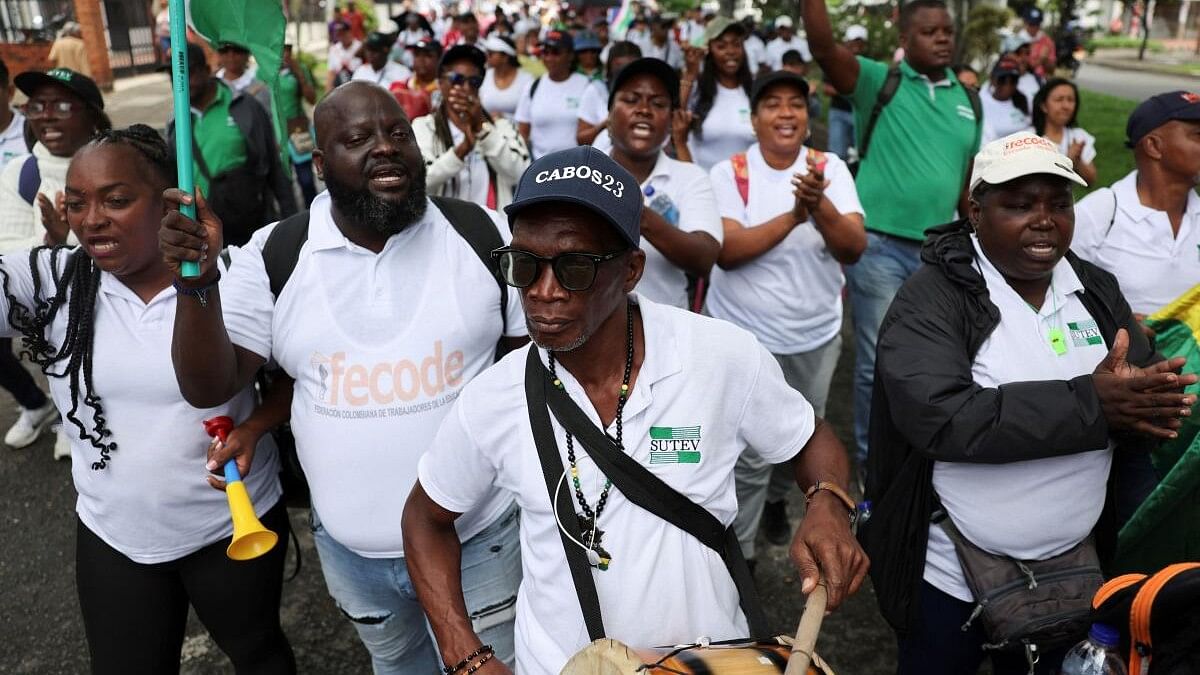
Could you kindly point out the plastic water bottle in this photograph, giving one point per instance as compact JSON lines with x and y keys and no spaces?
{"x":662,"y":205}
{"x":1097,"y":655}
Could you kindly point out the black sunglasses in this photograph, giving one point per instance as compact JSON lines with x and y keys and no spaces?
{"x":574,"y":271}
{"x":457,"y":79}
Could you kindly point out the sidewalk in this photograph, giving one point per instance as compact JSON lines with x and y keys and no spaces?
{"x":1164,"y":63}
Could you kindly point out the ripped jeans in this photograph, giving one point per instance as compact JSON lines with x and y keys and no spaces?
{"x":377,"y":595}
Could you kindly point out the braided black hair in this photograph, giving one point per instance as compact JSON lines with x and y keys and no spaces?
{"x":76,"y":287}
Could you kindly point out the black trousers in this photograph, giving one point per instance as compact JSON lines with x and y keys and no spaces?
{"x":17,"y":380}
{"x":135,"y":615}
{"x":938,"y":645}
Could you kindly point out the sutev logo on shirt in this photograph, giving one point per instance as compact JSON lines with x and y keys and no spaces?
{"x":1085,"y":333}
{"x":675,"y":445}
{"x":348,"y":388}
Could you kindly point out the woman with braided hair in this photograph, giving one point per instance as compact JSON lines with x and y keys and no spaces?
{"x":151,"y":533}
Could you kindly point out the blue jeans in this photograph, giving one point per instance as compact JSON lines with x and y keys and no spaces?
{"x":841,"y":131}
{"x":304,"y":177}
{"x":377,"y":595}
{"x":873,"y":282}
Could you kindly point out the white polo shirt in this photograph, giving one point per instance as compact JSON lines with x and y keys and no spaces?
{"x":380,"y":345}
{"x":1001,"y":118}
{"x":704,"y":383}
{"x":391,"y":73}
{"x":152,"y":503}
{"x":726,"y":130}
{"x":552,"y":113}
{"x":593,"y":107}
{"x":791,"y":296}
{"x":12,"y":139}
{"x":1032,"y":509}
{"x":1137,"y":245}
{"x":688,"y":187}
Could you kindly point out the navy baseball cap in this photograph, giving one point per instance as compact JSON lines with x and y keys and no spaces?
{"x":559,"y":38}
{"x":1033,"y":16}
{"x":775,"y":77}
{"x":1158,"y":110}
{"x":585,"y":176}
{"x":650,"y":66}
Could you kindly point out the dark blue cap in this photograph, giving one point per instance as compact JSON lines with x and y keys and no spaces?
{"x":585,"y":176}
{"x":1158,"y":110}
{"x":1034,"y":16}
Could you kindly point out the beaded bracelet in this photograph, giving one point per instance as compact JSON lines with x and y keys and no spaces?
{"x":487,"y":657}
{"x":450,"y":670}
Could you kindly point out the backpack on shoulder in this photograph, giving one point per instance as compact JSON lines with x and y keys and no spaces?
{"x":281,"y":253}
{"x":1158,"y":616}
{"x":29,"y":180}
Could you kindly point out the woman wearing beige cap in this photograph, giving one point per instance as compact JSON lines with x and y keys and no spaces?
{"x":1015,"y":401}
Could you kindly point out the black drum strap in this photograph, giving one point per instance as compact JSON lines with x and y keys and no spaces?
{"x":636,"y":483}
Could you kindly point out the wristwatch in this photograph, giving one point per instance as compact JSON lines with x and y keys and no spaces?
{"x":837,"y":492}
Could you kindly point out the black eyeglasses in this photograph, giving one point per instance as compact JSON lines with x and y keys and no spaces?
{"x":574,"y":271}
{"x":458,"y":79}
{"x":59,"y":110}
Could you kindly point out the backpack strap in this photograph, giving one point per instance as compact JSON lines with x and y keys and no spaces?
{"x":30,"y":180}
{"x":886,"y":93}
{"x":1113,"y":219}
{"x":474,"y":225}
{"x":976,"y":107}
{"x":533,"y":87}
{"x":281,"y":251}
{"x":741,"y":176}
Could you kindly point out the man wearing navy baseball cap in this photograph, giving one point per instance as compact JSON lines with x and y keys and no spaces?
{"x":622,"y":415}
{"x":1145,"y":229}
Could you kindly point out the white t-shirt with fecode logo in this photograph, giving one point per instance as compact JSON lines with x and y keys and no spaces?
{"x":380,"y":345}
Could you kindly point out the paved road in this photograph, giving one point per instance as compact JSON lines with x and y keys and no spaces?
{"x":1134,"y":85}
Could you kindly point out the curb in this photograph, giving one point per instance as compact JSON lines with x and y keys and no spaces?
{"x":1137,"y":66}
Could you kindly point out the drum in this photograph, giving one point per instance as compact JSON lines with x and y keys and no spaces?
{"x":611,"y":657}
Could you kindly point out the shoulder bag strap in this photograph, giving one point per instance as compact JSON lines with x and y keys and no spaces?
{"x":649,"y":492}
{"x":741,"y":176}
{"x":884,"y":97}
{"x":281,"y":251}
{"x":552,"y":470}
{"x":474,"y":225}
{"x":200,"y":163}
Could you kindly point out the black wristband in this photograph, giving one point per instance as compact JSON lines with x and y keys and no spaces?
{"x":198,"y":292}
{"x":483,"y":649}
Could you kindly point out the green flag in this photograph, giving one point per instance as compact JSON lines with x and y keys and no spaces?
{"x":258,"y":25}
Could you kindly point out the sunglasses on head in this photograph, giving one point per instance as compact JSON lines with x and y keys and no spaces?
{"x":458,"y":79}
{"x":574,"y":271}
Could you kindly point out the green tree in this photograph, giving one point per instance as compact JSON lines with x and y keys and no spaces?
{"x":981,"y":37}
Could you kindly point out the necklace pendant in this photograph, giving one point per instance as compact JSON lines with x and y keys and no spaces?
{"x":592,"y":539}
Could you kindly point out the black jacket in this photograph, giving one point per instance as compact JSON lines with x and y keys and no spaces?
{"x":926,"y":407}
{"x":263,"y":163}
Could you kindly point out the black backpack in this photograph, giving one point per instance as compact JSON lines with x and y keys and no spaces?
{"x":281,"y":253}
{"x":888,"y":91}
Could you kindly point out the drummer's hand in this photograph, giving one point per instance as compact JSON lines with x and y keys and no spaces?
{"x":183,"y":239}
{"x":825,"y":547}
{"x":239,"y":446}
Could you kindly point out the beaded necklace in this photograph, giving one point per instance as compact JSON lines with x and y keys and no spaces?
{"x":589,"y":518}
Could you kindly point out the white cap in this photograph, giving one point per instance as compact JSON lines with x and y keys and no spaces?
{"x":856,"y":33}
{"x":784,"y":21}
{"x":1018,"y":155}
{"x":493,"y":43}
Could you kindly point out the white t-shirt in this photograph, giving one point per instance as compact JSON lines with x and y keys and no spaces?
{"x":593,"y":107}
{"x":688,"y":187}
{"x":473,"y":178}
{"x":668,"y":51}
{"x":344,"y":58}
{"x":12,"y":139}
{"x":21,"y":225}
{"x":552,"y":113}
{"x":1001,"y":118}
{"x":756,"y":52}
{"x":1073,"y":134}
{"x":380,"y":345}
{"x":390,"y":73}
{"x":1152,"y":264}
{"x":503,"y":102}
{"x":1033,"y":509}
{"x":726,"y":130}
{"x":791,"y":296}
{"x":705,"y":391}
{"x":778,"y":47}
{"x":152,"y":503}
{"x":1029,"y":85}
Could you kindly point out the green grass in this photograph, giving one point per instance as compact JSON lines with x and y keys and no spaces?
{"x":1122,"y":42}
{"x":1104,"y":117}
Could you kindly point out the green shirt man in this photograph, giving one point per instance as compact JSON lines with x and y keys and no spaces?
{"x":218,"y":139}
{"x":920,"y":150}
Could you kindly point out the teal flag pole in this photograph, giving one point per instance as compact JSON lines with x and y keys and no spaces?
{"x":183,"y":115}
